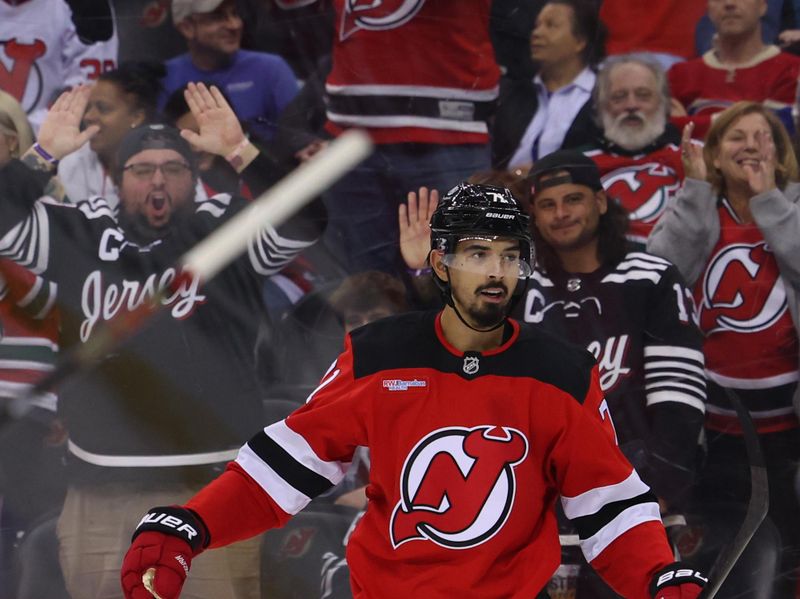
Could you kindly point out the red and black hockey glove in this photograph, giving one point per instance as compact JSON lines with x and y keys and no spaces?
{"x":677,"y":581}
{"x":161,"y":552}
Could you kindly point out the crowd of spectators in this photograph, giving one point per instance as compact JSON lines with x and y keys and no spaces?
{"x":669,"y":249}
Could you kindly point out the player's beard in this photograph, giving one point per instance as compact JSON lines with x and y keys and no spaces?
{"x":486,"y":315}
{"x":630,"y":138}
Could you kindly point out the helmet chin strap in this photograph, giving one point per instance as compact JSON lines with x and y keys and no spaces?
{"x":461,"y":318}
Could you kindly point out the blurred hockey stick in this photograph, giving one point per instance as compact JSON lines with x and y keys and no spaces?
{"x":757,"y":507}
{"x":219,"y":248}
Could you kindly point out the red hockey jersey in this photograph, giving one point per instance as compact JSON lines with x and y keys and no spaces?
{"x":705,"y":86}
{"x":643,"y":183}
{"x":742,"y":304}
{"x":413,"y":71}
{"x":469,"y":452}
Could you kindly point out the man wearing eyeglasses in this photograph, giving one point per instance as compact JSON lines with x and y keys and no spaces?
{"x":162,"y":414}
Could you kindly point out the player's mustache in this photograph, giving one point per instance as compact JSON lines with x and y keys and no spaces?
{"x":497,"y":285}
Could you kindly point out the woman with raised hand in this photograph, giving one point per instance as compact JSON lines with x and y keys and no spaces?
{"x":734,"y":233}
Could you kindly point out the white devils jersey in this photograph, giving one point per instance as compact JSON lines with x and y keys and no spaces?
{"x":469,"y":452}
{"x":40,"y":54}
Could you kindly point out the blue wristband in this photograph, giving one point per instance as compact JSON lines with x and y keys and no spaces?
{"x":41,"y":151}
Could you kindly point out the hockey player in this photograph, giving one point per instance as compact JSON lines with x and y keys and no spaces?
{"x":476,"y":425}
{"x":630,"y":309}
{"x":165,"y":412}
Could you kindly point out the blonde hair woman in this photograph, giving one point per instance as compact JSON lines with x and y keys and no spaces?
{"x":16,"y":135}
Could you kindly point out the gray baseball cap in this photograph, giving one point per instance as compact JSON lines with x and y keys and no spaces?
{"x":182,"y":9}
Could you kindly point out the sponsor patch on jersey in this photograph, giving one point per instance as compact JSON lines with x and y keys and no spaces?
{"x":404,"y":384}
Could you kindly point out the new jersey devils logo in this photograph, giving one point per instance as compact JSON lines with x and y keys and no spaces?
{"x":643,"y":190}
{"x":457,"y":486}
{"x":376,"y":15}
{"x":22,"y":79}
{"x":732,"y":298}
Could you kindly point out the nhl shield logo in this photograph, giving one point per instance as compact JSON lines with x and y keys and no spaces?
{"x":471,"y":365}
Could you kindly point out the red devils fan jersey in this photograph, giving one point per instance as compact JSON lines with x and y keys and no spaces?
{"x":750,"y":340}
{"x":642,"y":183}
{"x":468,"y":454}
{"x":636,"y":318}
{"x":28,"y":331}
{"x":413,"y":70}
{"x":705,"y":86}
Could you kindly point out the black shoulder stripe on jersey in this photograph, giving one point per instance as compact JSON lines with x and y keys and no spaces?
{"x":588,"y":526}
{"x":413,"y":343}
{"x":308,"y":482}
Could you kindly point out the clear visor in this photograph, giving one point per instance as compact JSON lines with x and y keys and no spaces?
{"x":489,"y":263}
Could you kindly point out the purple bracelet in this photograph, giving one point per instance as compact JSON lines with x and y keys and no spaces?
{"x":40,"y":150}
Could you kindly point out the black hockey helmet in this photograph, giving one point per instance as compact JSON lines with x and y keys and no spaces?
{"x":473,"y":209}
{"x":469,"y":210}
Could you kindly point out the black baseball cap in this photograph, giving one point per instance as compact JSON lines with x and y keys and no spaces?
{"x":574,"y":166}
{"x":153,"y":137}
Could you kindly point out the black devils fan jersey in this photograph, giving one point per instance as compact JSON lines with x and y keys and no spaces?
{"x":636,"y":318}
{"x":742,"y":304}
{"x":469,"y":452}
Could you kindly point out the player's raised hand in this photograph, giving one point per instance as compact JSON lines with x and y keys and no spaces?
{"x":415,"y":230}
{"x":694,"y":166}
{"x":158,"y":561}
{"x":220,"y":130}
{"x":60,"y":133}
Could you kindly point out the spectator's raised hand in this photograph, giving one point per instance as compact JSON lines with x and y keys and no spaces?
{"x":694,"y":166}
{"x":761,"y":177}
{"x":220,"y":130}
{"x":60,"y":133}
{"x":415,"y":230}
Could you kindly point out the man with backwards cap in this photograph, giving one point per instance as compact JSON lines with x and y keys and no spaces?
{"x":158,"y":417}
{"x":631,"y":310}
{"x":475,"y":424}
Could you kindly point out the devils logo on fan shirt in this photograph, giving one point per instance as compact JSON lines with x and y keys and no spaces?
{"x":376,"y":15}
{"x":458,"y":486}
{"x":742,"y":290}
{"x":23,"y":73}
{"x":644,"y":191}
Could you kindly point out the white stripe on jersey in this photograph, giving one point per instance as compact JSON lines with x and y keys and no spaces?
{"x":25,"y":365}
{"x":541,"y":279}
{"x":674,"y":351}
{"x":425,"y":91}
{"x":269,"y":252}
{"x":632,"y":275}
{"x":28,"y":242}
{"x":46,"y":401}
{"x":674,"y":364}
{"x":764,"y":383}
{"x":648,"y":257}
{"x":297,"y":446}
{"x":624,"y":521}
{"x":408,"y":121}
{"x":593,"y":500}
{"x":712,"y":409}
{"x":631,"y":263}
{"x":289,"y":499}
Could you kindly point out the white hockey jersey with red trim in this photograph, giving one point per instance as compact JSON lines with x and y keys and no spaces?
{"x":413,"y":70}
{"x":469,"y":452}
{"x":41,"y":53}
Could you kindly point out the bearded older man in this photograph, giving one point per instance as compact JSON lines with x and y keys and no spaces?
{"x":637,"y":154}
